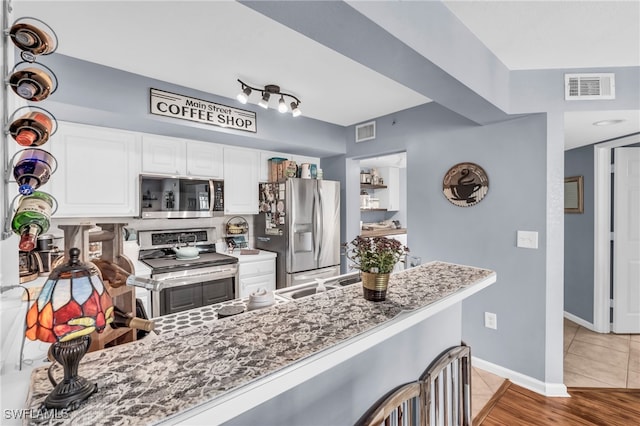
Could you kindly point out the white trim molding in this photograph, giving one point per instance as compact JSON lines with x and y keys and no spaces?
{"x":535,"y":385}
{"x":602,"y":231}
{"x":579,"y":321}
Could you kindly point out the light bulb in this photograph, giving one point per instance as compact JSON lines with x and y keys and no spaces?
{"x":264,"y":102}
{"x":282,"y":106}
{"x":243,"y":96}
{"x":295,"y":110}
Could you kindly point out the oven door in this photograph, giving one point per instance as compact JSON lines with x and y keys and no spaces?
{"x":193,"y":288}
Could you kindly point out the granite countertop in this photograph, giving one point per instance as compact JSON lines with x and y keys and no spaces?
{"x":161,"y":377}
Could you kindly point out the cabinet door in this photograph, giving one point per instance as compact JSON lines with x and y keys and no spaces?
{"x":163,"y":155}
{"x":204,"y":159}
{"x":253,"y":284}
{"x":240,"y":181}
{"x":97,"y":172}
{"x":400,"y":266}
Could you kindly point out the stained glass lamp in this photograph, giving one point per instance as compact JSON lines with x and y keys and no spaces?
{"x":72,"y":304}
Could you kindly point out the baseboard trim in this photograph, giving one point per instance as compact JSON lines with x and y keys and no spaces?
{"x":580,"y":321}
{"x":535,"y":385}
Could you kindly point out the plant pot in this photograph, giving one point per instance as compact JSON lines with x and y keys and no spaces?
{"x":375,"y":286}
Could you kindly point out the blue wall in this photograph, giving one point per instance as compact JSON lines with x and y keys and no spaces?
{"x":89,"y":93}
{"x":579,"y":238}
{"x":513,"y":153}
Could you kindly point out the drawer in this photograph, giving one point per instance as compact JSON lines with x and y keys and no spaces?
{"x":257,"y":268}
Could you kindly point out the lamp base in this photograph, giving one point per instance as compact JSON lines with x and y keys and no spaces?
{"x":69,"y":395}
{"x":74,"y":389}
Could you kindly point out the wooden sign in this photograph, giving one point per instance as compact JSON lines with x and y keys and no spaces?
{"x":178,"y":106}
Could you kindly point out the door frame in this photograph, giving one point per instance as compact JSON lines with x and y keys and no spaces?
{"x":602,"y":230}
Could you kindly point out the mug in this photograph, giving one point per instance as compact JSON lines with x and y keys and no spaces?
{"x":305,"y":171}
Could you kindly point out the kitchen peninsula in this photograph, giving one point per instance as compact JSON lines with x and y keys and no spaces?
{"x":324,"y":359}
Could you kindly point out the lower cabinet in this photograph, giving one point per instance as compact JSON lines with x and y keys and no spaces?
{"x":400,"y":266}
{"x":256,"y":274}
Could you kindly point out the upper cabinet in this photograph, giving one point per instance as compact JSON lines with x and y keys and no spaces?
{"x":240,"y":181}
{"x":164,"y":155}
{"x":175,"y":156}
{"x":97,"y":172}
{"x":204,"y":159}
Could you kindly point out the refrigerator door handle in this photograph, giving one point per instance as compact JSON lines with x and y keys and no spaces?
{"x":317,"y":225}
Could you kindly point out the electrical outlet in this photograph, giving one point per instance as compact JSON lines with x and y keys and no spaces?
{"x":527,"y":239}
{"x":491,"y":320}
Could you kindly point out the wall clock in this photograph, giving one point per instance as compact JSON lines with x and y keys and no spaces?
{"x":465,"y":184}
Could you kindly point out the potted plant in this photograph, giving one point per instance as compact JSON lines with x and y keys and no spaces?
{"x":375,"y":257}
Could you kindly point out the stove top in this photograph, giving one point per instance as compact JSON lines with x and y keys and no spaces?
{"x":173,"y":263}
{"x":156,"y":249}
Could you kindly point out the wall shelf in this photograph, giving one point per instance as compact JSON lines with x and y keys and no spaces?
{"x":371,"y":186}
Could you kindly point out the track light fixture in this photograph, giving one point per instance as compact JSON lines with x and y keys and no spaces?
{"x":267,"y":91}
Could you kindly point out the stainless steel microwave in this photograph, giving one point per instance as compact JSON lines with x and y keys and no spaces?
{"x":180,"y":197}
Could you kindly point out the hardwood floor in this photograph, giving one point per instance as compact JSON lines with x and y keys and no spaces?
{"x":514,"y":405}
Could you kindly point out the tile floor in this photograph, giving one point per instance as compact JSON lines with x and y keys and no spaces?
{"x":590,"y":360}
{"x":483,"y":386}
{"x":600,"y":360}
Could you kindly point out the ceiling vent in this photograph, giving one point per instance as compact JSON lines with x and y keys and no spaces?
{"x":589,"y":87}
{"x":366,"y":131}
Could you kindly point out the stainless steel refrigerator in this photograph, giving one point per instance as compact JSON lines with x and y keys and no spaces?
{"x":300,"y":220}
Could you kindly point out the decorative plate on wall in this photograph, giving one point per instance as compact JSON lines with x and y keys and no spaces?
{"x":465,"y":184}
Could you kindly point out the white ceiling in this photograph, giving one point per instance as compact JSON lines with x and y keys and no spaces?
{"x":191,"y":43}
{"x":528,"y":35}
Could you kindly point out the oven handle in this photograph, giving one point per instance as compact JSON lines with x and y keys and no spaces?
{"x":199,"y":278}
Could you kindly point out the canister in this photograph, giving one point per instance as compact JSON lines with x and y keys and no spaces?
{"x":305,"y":171}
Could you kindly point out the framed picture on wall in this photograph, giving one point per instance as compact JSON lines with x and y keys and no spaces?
{"x":573,"y":195}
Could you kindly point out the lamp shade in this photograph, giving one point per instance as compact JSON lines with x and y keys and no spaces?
{"x":72,"y":303}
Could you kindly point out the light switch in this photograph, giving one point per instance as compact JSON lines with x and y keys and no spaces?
{"x":528,"y":239}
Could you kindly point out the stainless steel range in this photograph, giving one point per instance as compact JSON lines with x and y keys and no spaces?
{"x":187,"y":282}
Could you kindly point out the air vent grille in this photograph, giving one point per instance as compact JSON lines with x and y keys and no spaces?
{"x":589,"y":86}
{"x":366,"y":131}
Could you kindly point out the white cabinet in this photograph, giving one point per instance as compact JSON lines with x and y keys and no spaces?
{"x":256,"y":272}
{"x":240,"y":181}
{"x":204,"y":159}
{"x":389,"y":197}
{"x":400,"y":266}
{"x":164,"y":155}
{"x":97,"y":172}
{"x":173,"y":156}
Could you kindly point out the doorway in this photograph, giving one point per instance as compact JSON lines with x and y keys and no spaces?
{"x":383,"y":198}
